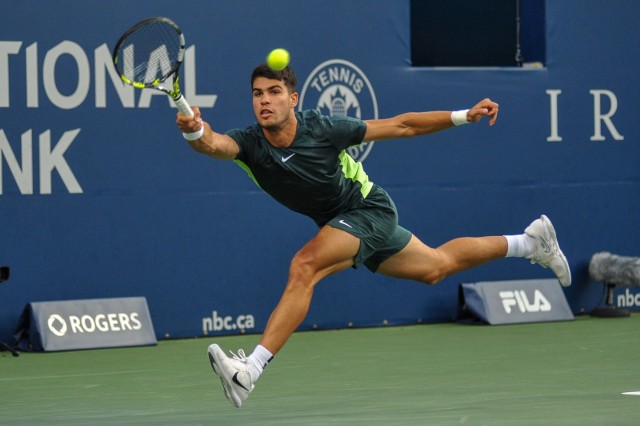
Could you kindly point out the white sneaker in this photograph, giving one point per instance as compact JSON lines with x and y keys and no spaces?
{"x":548,"y":253}
{"x":233,"y":373}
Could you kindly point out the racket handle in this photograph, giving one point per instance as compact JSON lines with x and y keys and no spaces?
{"x":183,"y":106}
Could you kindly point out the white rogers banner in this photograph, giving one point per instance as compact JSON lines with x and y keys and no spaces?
{"x":518,"y":301}
{"x":85,"y":324}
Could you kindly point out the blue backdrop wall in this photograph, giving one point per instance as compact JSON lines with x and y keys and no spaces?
{"x":101,"y":197}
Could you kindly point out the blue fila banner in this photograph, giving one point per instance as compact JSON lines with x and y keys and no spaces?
{"x":85,"y":324}
{"x":518,"y":301}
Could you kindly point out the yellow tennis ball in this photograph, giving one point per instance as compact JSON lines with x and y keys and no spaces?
{"x":278,"y":59}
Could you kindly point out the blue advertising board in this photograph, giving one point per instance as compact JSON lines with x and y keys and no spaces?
{"x":100,"y":197}
{"x":515,"y":301}
{"x":86,"y":324}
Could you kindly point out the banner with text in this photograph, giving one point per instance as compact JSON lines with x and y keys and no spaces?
{"x":98,"y":186}
{"x":518,"y":301}
{"x":85,"y":324}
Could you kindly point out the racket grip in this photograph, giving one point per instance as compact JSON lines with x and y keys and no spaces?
{"x":183,"y":106}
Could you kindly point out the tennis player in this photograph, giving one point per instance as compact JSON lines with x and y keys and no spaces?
{"x":300,"y":160}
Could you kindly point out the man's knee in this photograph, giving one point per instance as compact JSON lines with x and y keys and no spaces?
{"x":438,"y":269}
{"x":432,"y":277}
{"x":303,"y":268}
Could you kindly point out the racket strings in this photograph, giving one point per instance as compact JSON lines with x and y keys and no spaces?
{"x":151,"y":53}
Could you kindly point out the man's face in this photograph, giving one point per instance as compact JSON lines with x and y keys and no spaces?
{"x":272,"y":103}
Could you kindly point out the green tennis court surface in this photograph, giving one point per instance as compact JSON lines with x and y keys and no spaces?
{"x":567,"y":373}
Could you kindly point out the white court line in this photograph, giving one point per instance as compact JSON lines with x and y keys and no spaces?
{"x":636,"y":393}
{"x":13,"y":379}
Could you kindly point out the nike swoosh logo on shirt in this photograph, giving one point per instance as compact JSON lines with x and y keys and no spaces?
{"x":345,"y":223}
{"x":285,"y":159}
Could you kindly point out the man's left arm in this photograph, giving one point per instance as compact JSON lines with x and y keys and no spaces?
{"x":421,"y":123}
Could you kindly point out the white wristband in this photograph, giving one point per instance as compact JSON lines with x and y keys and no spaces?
{"x":195,"y":135}
{"x":459,"y":117}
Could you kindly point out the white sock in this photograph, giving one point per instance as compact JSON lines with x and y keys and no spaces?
{"x":258,"y":361}
{"x":520,"y":245}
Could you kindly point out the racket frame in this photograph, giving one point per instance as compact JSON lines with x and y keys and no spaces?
{"x":174,"y":93}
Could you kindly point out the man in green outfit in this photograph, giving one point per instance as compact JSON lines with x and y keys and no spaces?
{"x":300,"y":160}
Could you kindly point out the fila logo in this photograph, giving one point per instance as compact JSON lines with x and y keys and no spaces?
{"x":520,"y":299}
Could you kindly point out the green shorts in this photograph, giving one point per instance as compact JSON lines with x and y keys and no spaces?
{"x":375,"y":222}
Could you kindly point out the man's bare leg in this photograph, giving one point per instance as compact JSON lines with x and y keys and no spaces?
{"x":330,"y":251}
{"x":419,"y":262}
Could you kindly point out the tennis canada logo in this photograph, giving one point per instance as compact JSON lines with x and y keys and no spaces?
{"x":338,"y":87}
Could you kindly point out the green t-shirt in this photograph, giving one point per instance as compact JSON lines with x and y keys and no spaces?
{"x":314,"y":176}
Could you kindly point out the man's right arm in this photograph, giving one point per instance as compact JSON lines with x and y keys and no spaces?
{"x":216,"y":145}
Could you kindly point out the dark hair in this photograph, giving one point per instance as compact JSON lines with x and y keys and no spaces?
{"x":287,"y":76}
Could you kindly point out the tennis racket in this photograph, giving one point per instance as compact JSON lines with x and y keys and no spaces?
{"x":148,"y":54}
